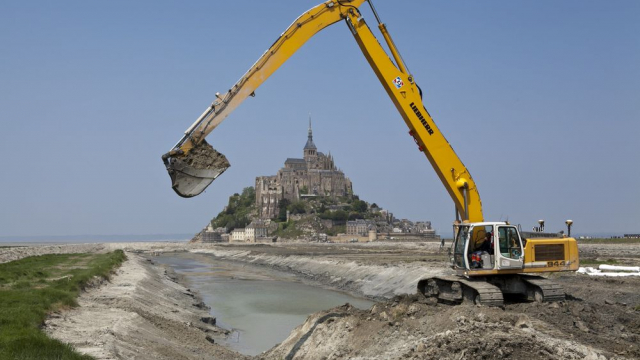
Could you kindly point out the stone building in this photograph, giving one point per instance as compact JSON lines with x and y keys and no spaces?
{"x":314,"y":175}
{"x":257,"y":229}
{"x":237,"y":235}
{"x":360,"y":227}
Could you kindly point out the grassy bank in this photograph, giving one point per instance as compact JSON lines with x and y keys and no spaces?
{"x":32,"y":287}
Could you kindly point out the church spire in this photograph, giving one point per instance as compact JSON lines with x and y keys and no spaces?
{"x":310,"y":145}
{"x":310,"y":131}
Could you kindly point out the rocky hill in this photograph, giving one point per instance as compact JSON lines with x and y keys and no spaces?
{"x":300,"y":219}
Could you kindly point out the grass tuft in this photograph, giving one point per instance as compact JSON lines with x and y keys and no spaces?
{"x":33,"y":287}
{"x":609,"y":241}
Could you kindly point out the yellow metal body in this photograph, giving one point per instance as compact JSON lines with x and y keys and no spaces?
{"x":569,"y":262}
{"x":394,"y":77}
{"x":536,"y":255}
{"x":403,"y":91}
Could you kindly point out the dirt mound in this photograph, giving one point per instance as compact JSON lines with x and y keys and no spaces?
{"x":205,"y":157}
{"x":407,"y":327}
{"x":608,"y":325}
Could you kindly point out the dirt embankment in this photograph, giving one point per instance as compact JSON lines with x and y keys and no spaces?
{"x":407,"y":328}
{"x":141,"y":314}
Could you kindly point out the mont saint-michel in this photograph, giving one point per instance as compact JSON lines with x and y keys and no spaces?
{"x":309,"y":198}
{"x":315,"y":174}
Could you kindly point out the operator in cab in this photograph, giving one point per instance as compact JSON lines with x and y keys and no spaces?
{"x":486,"y":247}
{"x":487,"y":244}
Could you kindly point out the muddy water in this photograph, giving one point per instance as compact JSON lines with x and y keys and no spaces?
{"x":258,"y":305}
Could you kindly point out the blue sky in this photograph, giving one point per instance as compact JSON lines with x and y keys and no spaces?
{"x":541,"y":101}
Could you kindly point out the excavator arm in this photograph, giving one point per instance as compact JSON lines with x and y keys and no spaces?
{"x":393,"y":74}
{"x":406,"y":96}
{"x":192,"y":163}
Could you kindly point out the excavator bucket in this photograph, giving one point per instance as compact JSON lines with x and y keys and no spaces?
{"x":192,"y":173}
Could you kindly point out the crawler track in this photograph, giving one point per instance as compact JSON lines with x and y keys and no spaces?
{"x":550,"y":290}
{"x":489,"y":291}
{"x":458,"y":290}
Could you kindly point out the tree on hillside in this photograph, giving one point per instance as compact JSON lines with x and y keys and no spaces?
{"x":339,"y":215}
{"x":237,"y":212}
{"x":359,"y":206}
{"x":248,"y":196}
{"x":230,"y":225}
{"x":282,"y":209}
{"x":297,"y":207}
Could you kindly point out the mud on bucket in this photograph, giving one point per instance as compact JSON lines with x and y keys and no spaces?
{"x":191,"y":174}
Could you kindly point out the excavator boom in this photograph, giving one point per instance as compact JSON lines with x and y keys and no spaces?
{"x":190,"y":180}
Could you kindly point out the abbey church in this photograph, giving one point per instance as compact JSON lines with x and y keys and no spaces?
{"x":313,"y":175}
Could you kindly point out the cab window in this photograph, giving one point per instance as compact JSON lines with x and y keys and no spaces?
{"x":460,"y":245}
{"x":509,"y":242}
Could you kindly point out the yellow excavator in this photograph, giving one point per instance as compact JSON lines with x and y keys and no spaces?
{"x":490,"y":258}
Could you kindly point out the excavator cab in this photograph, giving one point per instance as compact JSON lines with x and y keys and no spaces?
{"x":193,"y":170}
{"x":505,"y":252}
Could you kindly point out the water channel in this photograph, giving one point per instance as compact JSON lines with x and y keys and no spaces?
{"x":260,"y":306}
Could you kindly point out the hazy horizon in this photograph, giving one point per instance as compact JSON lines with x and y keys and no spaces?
{"x":186,"y":237}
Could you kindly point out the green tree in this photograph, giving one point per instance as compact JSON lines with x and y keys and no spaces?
{"x":325,"y":215}
{"x":282,"y":209}
{"x":359,"y":206}
{"x":231,"y":224}
{"x":297,"y":207}
{"x":236,"y":213}
{"x":322,"y":209}
{"x":340,"y":215}
{"x":242,"y":222}
{"x":248,"y":196}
